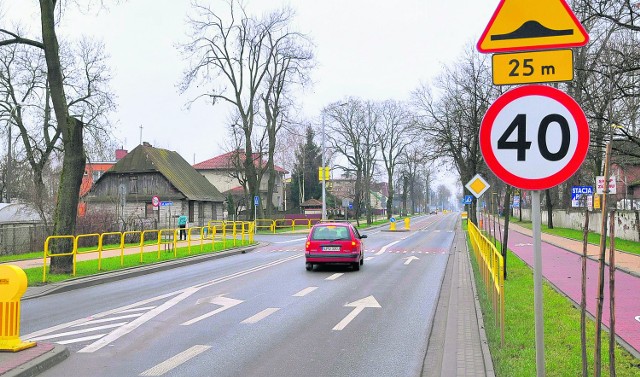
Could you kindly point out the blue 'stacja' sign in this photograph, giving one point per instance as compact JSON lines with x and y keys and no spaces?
{"x":578,"y":191}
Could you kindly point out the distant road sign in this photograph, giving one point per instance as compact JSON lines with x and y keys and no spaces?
{"x":393,"y":219}
{"x":256,"y":200}
{"x":155,"y":200}
{"x":534,"y":137}
{"x":166,"y":204}
{"x":532,"y":67}
{"x":468,"y":199}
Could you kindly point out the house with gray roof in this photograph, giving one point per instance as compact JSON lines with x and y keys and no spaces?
{"x":129,"y":189}
{"x":21,"y":229}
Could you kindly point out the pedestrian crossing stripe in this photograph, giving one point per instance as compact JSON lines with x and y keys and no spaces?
{"x":441,"y":251}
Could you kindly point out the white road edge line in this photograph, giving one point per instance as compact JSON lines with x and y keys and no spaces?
{"x":305,"y":291}
{"x":175,"y":361}
{"x":260,"y":316}
{"x":289,"y":241}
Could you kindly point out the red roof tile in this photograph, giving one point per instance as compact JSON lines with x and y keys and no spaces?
{"x":226,"y":161}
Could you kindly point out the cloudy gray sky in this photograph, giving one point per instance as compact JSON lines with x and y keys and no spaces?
{"x":364,"y":48}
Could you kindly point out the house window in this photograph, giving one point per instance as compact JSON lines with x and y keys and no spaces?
{"x":133,"y":185}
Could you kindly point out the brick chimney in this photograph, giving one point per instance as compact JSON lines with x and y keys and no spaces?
{"x":120,"y":153}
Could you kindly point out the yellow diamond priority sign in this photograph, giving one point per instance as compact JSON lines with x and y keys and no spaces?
{"x":477,"y":186}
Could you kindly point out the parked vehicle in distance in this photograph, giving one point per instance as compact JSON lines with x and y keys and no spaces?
{"x":334,"y":242}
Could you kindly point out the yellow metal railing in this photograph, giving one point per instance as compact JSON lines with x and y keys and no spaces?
{"x":47,"y":254}
{"x":211,"y":232}
{"x":491,"y":265}
{"x":265,"y":224}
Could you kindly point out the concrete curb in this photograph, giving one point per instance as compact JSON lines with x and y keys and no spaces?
{"x":40,"y":363}
{"x":486,"y":352}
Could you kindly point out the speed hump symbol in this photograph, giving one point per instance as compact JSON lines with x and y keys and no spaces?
{"x":534,"y":137}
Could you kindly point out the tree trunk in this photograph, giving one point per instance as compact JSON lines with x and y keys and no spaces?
{"x":583,"y":298}
{"x":612,"y":295}
{"x":505,"y":239}
{"x":68,"y":195}
{"x":390,"y":196}
{"x":73,"y":155}
{"x":547,"y":194}
{"x":252,"y":178}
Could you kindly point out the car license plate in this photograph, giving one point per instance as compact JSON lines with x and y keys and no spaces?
{"x":331,"y":248}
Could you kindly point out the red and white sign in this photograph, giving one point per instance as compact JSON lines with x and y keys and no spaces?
{"x":600,"y":184}
{"x":155,"y":200}
{"x":534,"y":137}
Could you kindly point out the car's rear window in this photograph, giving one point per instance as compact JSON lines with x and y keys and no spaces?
{"x":330,"y":232}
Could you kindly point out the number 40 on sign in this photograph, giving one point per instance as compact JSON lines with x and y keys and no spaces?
{"x":534,"y":137}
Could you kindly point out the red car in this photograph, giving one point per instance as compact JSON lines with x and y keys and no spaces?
{"x":334,"y":242}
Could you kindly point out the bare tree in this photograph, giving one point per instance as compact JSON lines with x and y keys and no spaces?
{"x":345,"y":128}
{"x":393,"y":134}
{"x":71,"y":128}
{"x":244,"y":60}
{"x":289,"y":66}
{"x":450,"y":116}
{"x":26,"y":100}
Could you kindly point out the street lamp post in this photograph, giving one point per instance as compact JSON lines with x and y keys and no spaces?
{"x":324,"y":183}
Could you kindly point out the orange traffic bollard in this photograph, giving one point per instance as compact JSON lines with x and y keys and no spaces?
{"x":13,"y":284}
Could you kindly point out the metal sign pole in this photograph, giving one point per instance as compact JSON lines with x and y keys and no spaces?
{"x":537,"y":281}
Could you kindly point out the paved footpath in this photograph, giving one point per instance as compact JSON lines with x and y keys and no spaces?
{"x":562,"y":267}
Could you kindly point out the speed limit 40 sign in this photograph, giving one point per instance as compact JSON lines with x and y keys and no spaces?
{"x":534,"y":137}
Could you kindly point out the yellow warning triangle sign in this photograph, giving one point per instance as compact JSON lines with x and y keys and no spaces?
{"x":525,"y":25}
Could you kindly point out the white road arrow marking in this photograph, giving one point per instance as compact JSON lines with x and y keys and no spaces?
{"x":385,"y":247}
{"x":224,"y":302}
{"x":359,"y":305}
{"x":410,"y":259}
{"x":638,"y":318}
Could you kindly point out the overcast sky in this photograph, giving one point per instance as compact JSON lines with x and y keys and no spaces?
{"x":370,"y":49}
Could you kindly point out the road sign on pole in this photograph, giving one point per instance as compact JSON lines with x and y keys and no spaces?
{"x":532,"y":67}
{"x":526,"y":25}
{"x":477,"y":186}
{"x":534,"y":137}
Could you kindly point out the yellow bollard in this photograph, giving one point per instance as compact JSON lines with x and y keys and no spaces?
{"x":13,"y":284}
{"x":392,"y":226}
{"x":407,"y":222}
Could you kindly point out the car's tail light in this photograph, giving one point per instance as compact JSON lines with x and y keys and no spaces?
{"x":307,"y":246}
{"x":354,"y":246}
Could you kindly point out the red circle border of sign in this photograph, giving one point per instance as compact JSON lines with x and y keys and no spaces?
{"x":539,"y":183}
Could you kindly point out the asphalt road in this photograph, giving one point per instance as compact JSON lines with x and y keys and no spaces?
{"x":258,"y":314}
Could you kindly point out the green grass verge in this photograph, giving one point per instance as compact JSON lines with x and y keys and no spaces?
{"x":594,"y":238}
{"x":90,"y":267}
{"x":517,"y":357}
